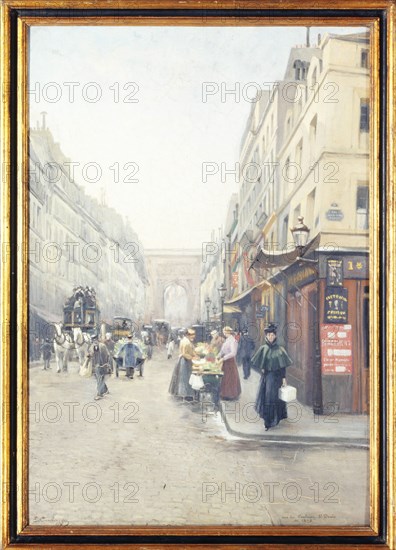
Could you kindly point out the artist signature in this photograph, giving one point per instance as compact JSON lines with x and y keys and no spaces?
{"x":308,"y":518}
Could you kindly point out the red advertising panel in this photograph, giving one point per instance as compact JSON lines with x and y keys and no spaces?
{"x":336,"y":348}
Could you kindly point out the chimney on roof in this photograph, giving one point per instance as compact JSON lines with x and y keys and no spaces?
{"x":308,"y":44}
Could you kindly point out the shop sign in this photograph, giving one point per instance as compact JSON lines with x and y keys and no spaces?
{"x":334,"y":272}
{"x":261,"y":311}
{"x":336,"y":305}
{"x":334,"y":215}
{"x":301,"y":277}
{"x":356,"y":267}
{"x":336,"y":348}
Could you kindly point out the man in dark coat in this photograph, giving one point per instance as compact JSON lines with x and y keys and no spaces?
{"x":245,"y":352}
{"x":46,"y":349}
{"x":109,"y":343}
{"x":272,"y":360}
{"x":100,"y":362}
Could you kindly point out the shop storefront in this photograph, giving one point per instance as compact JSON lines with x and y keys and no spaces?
{"x":325,"y":310}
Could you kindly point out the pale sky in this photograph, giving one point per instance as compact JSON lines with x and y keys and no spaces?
{"x":162,"y":139}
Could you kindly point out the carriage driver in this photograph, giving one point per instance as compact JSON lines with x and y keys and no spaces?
{"x":132,"y":353}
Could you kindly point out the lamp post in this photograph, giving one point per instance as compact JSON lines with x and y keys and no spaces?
{"x":214,"y":309}
{"x":300,"y":234}
{"x":208,"y":301}
{"x":222,"y":292}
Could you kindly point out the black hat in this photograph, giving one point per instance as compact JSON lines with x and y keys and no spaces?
{"x":94,"y":337}
{"x":272,"y":327}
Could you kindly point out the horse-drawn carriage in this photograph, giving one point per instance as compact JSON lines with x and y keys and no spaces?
{"x":81,"y":319}
{"x":81,"y":311}
{"x":122,"y":326}
{"x":161,"y":329}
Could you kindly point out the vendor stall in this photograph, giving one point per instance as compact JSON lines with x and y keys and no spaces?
{"x":206,"y":374}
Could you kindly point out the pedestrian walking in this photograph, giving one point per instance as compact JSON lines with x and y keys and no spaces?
{"x":99,"y":357}
{"x":46,"y":350}
{"x":109,"y":343}
{"x":36,"y":349}
{"x":245,"y":352}
{"x":180,"y":382}
{"x":170,"y":346}
{"x":133,"y":356}
{"x":230,"y":387}
{"x":272,"y":360}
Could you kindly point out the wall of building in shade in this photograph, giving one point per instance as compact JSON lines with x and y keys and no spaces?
{"x":74,"y":240}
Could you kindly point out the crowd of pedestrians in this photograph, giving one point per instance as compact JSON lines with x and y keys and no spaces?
{"x":232,"y":349}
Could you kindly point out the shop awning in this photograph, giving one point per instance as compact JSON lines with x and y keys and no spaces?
{"x":270,"y":259}
{"x":232,"y":309}
{"x":245,"y":294}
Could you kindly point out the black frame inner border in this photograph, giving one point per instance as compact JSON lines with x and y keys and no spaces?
{"x":198,"y":13}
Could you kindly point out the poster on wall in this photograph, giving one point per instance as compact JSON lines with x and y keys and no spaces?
{"x":336,"y":348}
{"x":334,"y":272}
{"x":336,"y":305}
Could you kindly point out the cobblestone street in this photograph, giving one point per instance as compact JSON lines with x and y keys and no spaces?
{"x":139,"y":457}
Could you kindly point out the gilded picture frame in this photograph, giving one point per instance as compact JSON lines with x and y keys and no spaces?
{"x":17,"y":16}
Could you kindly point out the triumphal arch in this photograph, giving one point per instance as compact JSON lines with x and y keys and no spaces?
{"x":173,"y":292}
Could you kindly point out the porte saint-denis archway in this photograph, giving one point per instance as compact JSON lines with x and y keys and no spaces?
{"x":176,"y":304}
{"x":174,"y":286}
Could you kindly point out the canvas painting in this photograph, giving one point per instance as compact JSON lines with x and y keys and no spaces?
{"x":199,"y":221}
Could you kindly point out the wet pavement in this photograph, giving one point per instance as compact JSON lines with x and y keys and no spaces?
{"x":139,"y":457}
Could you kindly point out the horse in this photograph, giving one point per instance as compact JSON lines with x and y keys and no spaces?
{"x":81,"y":341}
{"x":63,"y":344}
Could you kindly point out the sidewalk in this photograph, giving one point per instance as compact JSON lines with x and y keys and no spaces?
{"x":301,"y":426}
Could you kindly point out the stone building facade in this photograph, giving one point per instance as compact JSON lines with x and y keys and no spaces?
{"x":74,"y":240}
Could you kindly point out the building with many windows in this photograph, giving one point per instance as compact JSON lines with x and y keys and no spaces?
{"x":305,"y":160}
{"x":74,"y":240}
{"x":324,"y":179}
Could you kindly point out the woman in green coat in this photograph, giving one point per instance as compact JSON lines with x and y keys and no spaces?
{"x":272,"y":360}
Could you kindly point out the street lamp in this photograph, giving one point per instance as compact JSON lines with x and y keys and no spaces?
{"x":222,"y":292}
{"x":300,"y":233}
{"x":208,"y":301}
{"x":214,"y":309}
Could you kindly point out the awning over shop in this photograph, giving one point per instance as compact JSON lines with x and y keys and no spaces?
{"x":232,"y":309}
{"x":270,"y":259}
{"x":245,"y":294}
